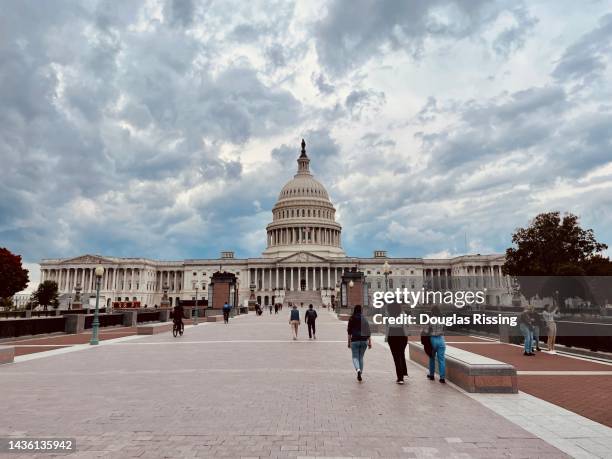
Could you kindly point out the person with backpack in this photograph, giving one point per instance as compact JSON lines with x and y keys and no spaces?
{"x":226,"y":312}
{"x":294,"y":321}
{"x":310,"y":317}
{"x":359,"y":339}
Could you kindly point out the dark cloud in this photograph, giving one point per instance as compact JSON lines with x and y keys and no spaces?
{"x":322,"y":84}
{"x":587,"y":58}
{"x":179,"y":12}
{"x":352,"y":32}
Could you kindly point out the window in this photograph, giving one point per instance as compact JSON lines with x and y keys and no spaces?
{"x":378,"y":284}
{"x":390,"y":283}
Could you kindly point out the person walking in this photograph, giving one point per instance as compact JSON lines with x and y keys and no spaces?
{"x":226,"y":312}
{"x":359,"y":339}
{"x":549,"y":314}
{"x":526,"y":327}
{"x":275,"y":308}
{"x":310,"y":317}
{"x":438,"y":347}
{"x":270,"y":308}
{"x":397,"y":338}
{"x":294,"y":321}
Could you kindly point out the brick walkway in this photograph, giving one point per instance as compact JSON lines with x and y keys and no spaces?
{"x":247,"y":390}
{"x":586,"y":393}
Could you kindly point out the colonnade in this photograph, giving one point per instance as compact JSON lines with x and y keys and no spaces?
{"x":304,"y":235}
{"x":295,"y":278}
{"x":465,"y":277}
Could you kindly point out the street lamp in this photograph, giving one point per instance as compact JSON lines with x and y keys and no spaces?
{"x":96,"y":321}
{"x":386,"y":272}
{"x":195,"y":317}
{"x":69,"y":302}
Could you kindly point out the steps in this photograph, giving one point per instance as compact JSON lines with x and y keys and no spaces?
{"x":307,"y":297}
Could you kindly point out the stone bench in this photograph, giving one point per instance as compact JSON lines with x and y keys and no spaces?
{"x":472,"y":372}
{"x":215,"y":318}
{"x":7,"y":354}
{"x":344,"y":317}
{"x":154,"y":329}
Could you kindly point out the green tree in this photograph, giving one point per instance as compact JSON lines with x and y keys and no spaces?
{"x":555,"y":246}
{"x":46,"y":295}
{"x":13,"y":277}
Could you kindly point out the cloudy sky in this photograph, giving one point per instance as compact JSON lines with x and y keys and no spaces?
{"x":166,"y":128}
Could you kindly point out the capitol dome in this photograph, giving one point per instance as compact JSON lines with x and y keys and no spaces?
{"x":303,"y":218}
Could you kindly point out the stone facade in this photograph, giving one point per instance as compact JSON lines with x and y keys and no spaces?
{"x":303,"y":262}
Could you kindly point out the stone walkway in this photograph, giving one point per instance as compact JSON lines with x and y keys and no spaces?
{"x":579,"y":385}
{"x":247,"y":390}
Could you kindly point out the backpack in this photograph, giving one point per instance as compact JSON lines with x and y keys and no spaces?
{"x":311,"y":314}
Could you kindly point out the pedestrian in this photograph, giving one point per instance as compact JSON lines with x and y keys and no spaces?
{"x":438,"y":347}
{"x":226,"y":312}
{"x":310,"y":317}
{"x":294,"y":321}
{"x":537,"y":326}
{"x":270,"y":308}
{"x":275,"y":308}
{"x":526,"y":327}
{"x":551,"y":326}
{"x":397,"y":337}
{"x":359,"y":339}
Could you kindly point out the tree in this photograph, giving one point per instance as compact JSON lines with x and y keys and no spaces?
{"x":46,"y":295}
{"x":13,"y":277}
{"x":555,"y":246}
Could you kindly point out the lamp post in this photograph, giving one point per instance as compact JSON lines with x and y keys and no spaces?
{"x":386,"y":272}
{"x":69,"y":302}
{"x":195,"y":317}
{"x":96,"y":321}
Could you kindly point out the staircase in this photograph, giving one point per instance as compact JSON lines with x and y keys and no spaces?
{"x":307,"y":297}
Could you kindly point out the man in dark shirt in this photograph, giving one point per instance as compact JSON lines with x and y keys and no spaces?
{"x":310,"y":317}
{"x":177,"y":315}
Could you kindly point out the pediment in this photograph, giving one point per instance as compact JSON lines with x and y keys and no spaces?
{"x":302,"y":257}
{"x":87,"y":259}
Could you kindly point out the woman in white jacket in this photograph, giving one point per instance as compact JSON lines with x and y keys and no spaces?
{"x":549,"y":317}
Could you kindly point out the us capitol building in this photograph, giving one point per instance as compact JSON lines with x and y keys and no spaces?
{"x":303,"y":263}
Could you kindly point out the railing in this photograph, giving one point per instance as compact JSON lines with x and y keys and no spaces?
{"x":106,"y":320}
{"x":12,"y":328}
{"x":152,"y":316}
{"x":10,"y":314}
{"x":571,"y":332}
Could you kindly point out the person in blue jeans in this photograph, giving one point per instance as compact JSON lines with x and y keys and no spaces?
{"x":438,"y":348}
{"x":359,"y":339}
{"x":526,"y":326}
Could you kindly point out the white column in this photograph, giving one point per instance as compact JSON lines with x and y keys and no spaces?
{"x":321,"y":278}
{"x":307,"y":274}
{"x":291,"y":278}
{"x":328,"y":278}
{"x":299,"y":286}
{"x":276,"y":285}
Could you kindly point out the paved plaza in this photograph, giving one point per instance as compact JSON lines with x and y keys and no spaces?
{"x":247,"y":390}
